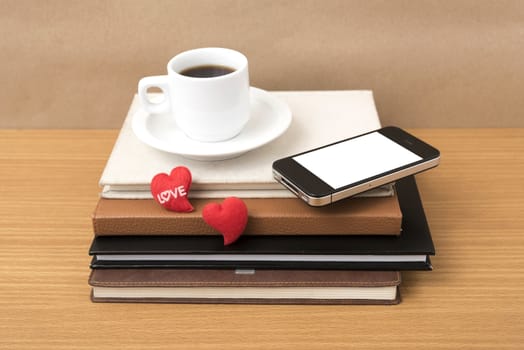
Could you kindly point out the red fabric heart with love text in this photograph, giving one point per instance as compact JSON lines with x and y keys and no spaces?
{"x":228,"y":218}
{"x":170,"y":191}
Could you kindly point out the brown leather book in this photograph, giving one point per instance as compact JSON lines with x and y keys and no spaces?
{"x":245,"y":286}
{"x":266,"y":216}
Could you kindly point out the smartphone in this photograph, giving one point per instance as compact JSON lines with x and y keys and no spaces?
{"x":348,"y":167}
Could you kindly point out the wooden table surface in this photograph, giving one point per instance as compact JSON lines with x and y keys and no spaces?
{"x":474,"y":297}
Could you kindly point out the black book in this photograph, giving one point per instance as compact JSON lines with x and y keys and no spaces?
{"x":409,"y":251}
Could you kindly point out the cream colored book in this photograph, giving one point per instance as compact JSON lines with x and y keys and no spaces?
{"x":318,"y":118}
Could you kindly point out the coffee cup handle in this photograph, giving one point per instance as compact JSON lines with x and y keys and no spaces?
{"x":158,"y":81}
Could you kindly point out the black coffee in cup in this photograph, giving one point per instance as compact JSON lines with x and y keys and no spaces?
{"x":206,"y":91}
{"x":207,"y":71}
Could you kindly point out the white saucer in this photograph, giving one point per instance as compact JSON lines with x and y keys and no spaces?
{"x":270,"y":117}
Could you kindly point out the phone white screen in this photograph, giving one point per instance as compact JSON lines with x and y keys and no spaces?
{"x":357,"y":159}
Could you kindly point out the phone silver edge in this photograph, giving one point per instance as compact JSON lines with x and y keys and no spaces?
{"x":321,"y":201}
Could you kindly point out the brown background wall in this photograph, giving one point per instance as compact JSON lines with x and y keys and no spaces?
{"x":75,"y":64}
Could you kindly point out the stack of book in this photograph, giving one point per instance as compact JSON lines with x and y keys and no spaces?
{"x":350,"y":252}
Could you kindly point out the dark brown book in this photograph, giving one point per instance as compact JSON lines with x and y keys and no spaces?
{"x":245,"y":286}
{"x":266,"y":216}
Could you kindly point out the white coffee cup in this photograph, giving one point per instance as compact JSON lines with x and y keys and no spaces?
{"x":209,"y":108}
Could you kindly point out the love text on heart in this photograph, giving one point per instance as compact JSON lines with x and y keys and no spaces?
{"x":165,"y":196}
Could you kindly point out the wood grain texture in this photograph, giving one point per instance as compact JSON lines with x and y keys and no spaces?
{"x":474,"y":298}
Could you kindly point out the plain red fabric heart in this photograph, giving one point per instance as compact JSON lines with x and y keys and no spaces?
{"x":228,"y":218}
{"x":171,"y":191}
